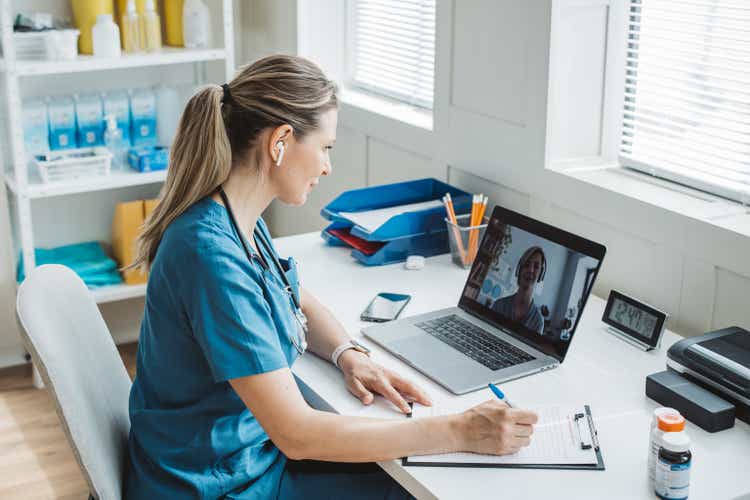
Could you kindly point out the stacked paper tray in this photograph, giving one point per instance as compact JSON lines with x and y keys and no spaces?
{"x":385,"y":224}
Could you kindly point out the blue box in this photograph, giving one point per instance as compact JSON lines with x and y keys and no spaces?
{"x":149,"y":158}
{"x":143,"y":118}
{"x":61,"y":114}
{"x":413,"y":232}
{"x":89,"y":121}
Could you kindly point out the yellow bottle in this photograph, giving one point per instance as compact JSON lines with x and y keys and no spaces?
{"x":173,"y":23}
{"x":150,"y":28}
{"x":131,"y":29}
{"x":84,"y":14}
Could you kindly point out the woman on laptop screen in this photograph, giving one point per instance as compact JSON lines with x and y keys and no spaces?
{"x":520,"y":306}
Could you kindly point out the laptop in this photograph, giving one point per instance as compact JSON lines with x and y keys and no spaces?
{"x":517,"y":314}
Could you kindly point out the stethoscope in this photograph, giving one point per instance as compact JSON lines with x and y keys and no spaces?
{"x":299,"y":344}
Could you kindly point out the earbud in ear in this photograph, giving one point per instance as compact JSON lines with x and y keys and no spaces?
{"x":280,"y":147}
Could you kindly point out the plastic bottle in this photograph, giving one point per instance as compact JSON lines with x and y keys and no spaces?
{"x":115,"y":143}
{"x":653,"y":442}
{"x":195,"y":24}
{"x":673,"y":467}
{"x":85,"y":15}
{"x":668,"y":421}
{"x":168,"y":108}
{"x":151,"y":28}
{"x":173,"y":23}
{"x":131,"y":29}
{"x":106,"y":37}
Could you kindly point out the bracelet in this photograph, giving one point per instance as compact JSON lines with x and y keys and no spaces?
{"x":352,"y":344}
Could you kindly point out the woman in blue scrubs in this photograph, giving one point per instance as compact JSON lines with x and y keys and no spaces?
{"x":215,"y":411}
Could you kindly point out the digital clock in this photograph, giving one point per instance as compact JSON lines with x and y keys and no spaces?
{"x":634,"y":320}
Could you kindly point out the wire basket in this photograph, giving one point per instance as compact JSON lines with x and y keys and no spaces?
{"x":59,"y":45}
{"x":31,"y":46}
{"x":71,"y":164}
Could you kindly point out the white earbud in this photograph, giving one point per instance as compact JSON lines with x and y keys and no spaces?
{"x":280,"y":147}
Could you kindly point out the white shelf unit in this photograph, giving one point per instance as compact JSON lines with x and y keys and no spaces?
{"x":35,"y":188}
{"x":165,"y":56}
{"x":25,"y":185}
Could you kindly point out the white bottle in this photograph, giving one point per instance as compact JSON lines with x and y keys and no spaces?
{"x":168,"y":109}
{"x":196,"y":24}
{"x":665,"y":420}
{"x":106,"y":37}
{"x":673,"y":467}
{"x":114,"y":142}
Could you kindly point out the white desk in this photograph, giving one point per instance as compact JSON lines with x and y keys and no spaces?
{"x":599,"y":369}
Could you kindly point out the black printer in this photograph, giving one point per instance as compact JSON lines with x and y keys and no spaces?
{"x":718,"y":361}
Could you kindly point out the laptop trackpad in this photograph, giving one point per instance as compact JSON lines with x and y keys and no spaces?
{"x":429,"y":354}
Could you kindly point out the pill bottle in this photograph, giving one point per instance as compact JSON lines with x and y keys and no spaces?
{"x":654,"y":434}
{"x":673,"y":467}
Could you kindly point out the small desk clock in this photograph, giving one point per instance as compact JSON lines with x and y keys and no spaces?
{"x":634,"y":321}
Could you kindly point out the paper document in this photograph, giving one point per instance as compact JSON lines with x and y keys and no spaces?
{"x":556,"y":440}
{"x":373,"y":219}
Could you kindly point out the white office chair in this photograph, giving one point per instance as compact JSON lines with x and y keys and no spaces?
{"x":74,"y":352}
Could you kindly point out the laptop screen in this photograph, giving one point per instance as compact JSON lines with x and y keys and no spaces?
{"x":532,"y":279}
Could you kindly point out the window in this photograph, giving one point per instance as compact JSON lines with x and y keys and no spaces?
{"x":686,"y":113}
{"x":393,"y":49}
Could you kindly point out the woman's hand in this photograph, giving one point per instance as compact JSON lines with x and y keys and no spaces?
{"x":494,"y":428}
{"x":363,"y":377}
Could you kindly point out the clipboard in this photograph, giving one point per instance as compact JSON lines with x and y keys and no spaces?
{"x":589,"y":421}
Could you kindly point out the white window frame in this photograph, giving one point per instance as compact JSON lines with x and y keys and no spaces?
{"x":614,"y":78}
{"x":612,"y":116}
{"x":349,"y":63}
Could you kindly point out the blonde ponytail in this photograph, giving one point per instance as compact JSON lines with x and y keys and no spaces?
{"x":199,"y":161}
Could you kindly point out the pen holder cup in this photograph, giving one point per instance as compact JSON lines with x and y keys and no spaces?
{"x":464,"y":239}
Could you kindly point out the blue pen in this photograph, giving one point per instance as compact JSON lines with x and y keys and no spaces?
{"x":499,"y":394}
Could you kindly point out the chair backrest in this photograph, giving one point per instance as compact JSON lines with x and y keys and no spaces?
{"x":74,"y":352}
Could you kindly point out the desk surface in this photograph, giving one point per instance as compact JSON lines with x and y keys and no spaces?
{"x":599,"y":370}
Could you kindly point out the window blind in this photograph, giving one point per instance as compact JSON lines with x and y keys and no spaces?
{"x":686,"y":113}
{"x":394,"y":48}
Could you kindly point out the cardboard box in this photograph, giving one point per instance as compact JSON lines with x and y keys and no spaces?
{"x":126,"y":226}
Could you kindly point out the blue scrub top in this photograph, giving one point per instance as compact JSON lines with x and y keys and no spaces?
{"x":211,"y":315}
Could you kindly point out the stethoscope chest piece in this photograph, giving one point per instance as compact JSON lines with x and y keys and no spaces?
{"x":303,"y":329}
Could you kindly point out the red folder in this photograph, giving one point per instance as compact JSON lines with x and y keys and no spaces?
{"x":364,"y":246}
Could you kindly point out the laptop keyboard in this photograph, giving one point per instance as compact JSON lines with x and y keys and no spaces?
{"x":476,"y":343}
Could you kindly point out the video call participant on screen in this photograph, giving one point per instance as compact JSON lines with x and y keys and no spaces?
{"x":520,"y":306}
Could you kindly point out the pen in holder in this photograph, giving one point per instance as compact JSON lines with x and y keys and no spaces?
{"x":464,"y":239}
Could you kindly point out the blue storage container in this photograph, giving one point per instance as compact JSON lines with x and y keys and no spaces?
{"x":415,"y":232}
{"x":148,"y":158}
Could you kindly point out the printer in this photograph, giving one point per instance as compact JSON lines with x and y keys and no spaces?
{"x":718,"y":361}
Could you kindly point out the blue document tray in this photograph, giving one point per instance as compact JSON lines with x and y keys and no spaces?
{"x":419,"y":232}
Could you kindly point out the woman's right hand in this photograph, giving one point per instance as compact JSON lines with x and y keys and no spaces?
{"x":493,"y":428}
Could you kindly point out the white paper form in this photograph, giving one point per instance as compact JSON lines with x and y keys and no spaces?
{"x":373,"y":219}
{"x":555,"y":441}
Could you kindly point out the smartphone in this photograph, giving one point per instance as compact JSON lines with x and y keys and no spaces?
{"x":385,"y":307}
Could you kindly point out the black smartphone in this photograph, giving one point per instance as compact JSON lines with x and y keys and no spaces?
{"x":385,"y":307}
